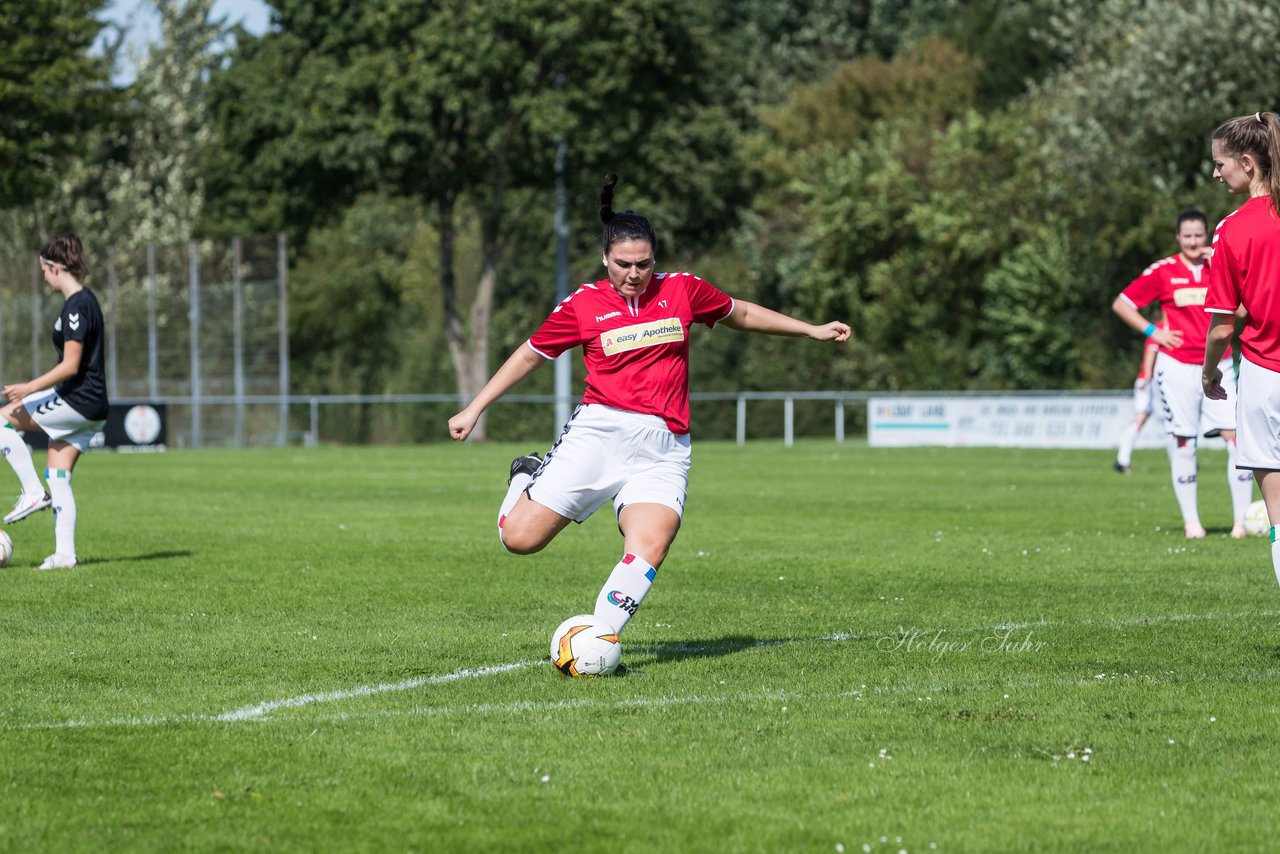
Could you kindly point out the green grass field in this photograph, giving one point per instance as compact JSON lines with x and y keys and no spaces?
{"x":848,"y":649}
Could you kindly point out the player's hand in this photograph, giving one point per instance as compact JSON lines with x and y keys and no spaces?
{"x":17,"y":391}
{"x":1140,"y":384}
{"x":461,"y":425}
{"x":1212,"y":382}
{"x":833,"y":331}
{"x":1171,"y":338}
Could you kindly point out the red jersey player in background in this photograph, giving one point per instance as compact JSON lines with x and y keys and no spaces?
{"x":1245,"y":280}
{"x":1143,"y":395}
{"x":629,"y":439}
{"x":1178,"y":283}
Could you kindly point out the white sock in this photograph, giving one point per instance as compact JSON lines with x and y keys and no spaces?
{"x":626,"y":588}
{"x":64,"y":511}
{"x":1275,"y":554}
{"x":18,"y":455}
{"x":1182,"y":465}
{"x":517,"y":486}
{"x":1124,"y":456}
{"x":1241,"y":483}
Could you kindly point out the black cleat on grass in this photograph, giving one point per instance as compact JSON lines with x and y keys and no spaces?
{"x":1122,"y":469}
{"x":528,"y":464}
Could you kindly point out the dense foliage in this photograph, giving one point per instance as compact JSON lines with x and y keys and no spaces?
{"x":968,"y":184}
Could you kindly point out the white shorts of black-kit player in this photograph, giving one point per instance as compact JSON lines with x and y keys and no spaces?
{"x":606,"y":453}
{"x":60,"y":421}
{"x":1182,"y":403}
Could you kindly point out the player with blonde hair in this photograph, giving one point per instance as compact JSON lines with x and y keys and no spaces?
{"x":1244,"y":280}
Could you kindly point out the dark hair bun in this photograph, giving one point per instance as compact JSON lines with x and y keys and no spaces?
{"x":606,"y":197}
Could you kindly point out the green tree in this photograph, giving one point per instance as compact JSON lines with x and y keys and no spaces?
{"x":52,"y":92}
{"x":460,"y":105}
{"x":140,"y":184}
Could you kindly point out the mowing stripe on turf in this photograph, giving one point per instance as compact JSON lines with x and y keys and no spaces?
{"x":263,"y":710}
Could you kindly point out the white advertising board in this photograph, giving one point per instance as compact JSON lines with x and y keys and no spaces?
{"x":1066,"y":421}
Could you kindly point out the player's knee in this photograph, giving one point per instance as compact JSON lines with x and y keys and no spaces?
{"x":519,"y":541}
{"x":653,"y":548}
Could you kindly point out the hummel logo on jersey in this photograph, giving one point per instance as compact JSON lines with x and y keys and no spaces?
{"x":74,"y":321}
{"x":601,"y":318}
{"x":57,"y":324}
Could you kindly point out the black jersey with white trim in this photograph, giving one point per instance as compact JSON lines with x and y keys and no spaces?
{"x":81,"y":320}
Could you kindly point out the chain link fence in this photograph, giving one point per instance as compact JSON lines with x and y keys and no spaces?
{"x":201,"y":328}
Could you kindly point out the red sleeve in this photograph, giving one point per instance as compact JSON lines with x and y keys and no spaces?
{"x":1224,"y":280}
{"x":560,"y":331}
{"x":710,"y":305}
{"x":1145,"y":289}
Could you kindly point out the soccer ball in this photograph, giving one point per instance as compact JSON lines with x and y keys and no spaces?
{"x":1256,"y":521}
{"x":585,"y":646}
{"x":6,"y":549}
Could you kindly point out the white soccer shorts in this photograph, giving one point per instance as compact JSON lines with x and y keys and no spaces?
{"x":608,"y":453}
{"x":1258,"y":439}
{"x":60,"y":421}
{"x":1182,"y":404}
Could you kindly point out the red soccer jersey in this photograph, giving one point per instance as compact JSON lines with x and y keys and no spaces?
{"x":1246,"y":271}
{"x":636,"y":350}
{"x":1180,"y":290}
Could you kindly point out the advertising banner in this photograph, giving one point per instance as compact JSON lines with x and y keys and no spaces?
{"x":1065,"y":421}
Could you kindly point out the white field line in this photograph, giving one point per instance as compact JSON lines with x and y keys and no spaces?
{"x":262,"y":710}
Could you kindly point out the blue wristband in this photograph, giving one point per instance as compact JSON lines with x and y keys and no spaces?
{"x":1151,"y":328}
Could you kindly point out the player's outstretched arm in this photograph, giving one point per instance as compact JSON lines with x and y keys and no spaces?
{"x":519,"y":365}
{"x":749,"y":317}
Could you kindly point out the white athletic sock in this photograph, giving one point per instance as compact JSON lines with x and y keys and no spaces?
{"x":1275,"y":554}
{"x":18,"y":455}
{"x":64,"y":511}
{"x":1124,"y":456}
{"x":626,"y":588}
{"x":1182,"y":465}
{"x":517,"y":486}
{"x":1241,"y":482}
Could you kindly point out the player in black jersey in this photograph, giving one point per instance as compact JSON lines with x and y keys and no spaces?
{"x":68,"y":402}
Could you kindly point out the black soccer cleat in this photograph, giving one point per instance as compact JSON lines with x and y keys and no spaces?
{"x":1121,"y":468}
{"x":528,"y":464}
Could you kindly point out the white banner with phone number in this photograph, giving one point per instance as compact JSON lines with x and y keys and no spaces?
{"x":1067,"y":421}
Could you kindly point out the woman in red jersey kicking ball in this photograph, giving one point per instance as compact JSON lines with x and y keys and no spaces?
{"x":629,"y":439}
{"x":1245,"y":277}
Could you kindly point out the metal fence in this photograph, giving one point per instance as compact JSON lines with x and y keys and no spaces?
{"x":203,"y":329}
{"x":186,"y":325}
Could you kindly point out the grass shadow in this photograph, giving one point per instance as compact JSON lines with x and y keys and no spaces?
{"x":687,"y":649}
{"x":136,"y":558}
